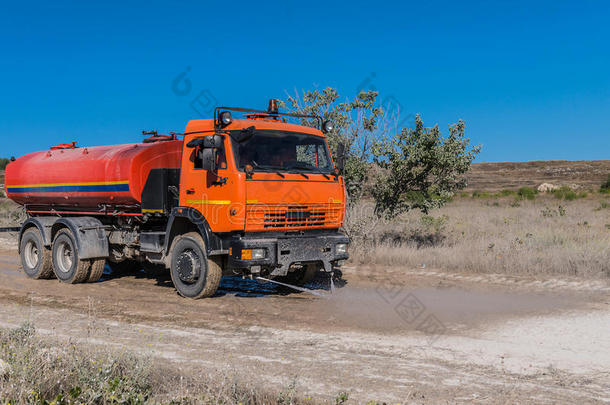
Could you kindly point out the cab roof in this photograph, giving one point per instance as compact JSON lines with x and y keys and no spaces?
{"x":259,"y":123}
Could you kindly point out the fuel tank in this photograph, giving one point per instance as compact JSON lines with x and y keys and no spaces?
{"x":88,"y":177}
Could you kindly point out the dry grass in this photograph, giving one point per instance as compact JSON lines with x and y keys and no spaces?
{"x":543,"y":237}
{"x":11,"y":214}
{"x":37,"y":370}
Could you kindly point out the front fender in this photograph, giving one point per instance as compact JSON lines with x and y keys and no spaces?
{"x":213,"y":244}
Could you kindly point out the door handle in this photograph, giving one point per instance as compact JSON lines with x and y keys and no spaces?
{"x":190,"y":191}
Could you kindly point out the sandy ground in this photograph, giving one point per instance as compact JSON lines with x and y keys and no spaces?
{"x":388,"y":334}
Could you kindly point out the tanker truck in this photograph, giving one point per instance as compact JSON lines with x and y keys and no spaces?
{"x":254,"y":196}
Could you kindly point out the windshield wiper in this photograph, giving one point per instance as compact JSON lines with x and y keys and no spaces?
{"x":306,"y":166}
{"x":317,"y":170}
{"x":274,"y":169}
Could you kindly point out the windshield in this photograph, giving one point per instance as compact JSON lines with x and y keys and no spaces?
{"x":284,"y":151}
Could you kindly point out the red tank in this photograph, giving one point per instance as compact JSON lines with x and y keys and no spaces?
{"x":87,"y":177}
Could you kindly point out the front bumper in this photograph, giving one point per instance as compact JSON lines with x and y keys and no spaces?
{"x":284,"y":250}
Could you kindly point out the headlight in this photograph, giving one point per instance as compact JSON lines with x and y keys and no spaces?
{"x":253,"y":254}
{"x":327,"y":126}
{"x":225,"y":118}
{"x":341,"y":248}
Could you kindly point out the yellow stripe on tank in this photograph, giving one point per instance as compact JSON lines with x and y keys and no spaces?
{"x":96,"y":183}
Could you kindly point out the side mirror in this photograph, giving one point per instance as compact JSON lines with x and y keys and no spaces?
{"x":214,"y":141}
{"x":341,"y":156}
{"x":208,"y":160}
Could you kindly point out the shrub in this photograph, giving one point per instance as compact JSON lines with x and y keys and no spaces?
{"x":527,"y":193}
{"x":506,"y":193}
{"x":480,"y":194}
{"x":602,"y":206}
{"x":566,"y":193}
{"x":3,"y":163}
{"x":605,"y":187}
{"x":432,"y":224}
{"x":548,"y":212}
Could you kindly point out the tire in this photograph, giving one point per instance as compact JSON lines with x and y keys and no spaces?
{"x":97,"y":269}
{"x":301,"y":277}
{"x":67,"y":267}
{"x":35,"y":258}
{"x":193,"y":274}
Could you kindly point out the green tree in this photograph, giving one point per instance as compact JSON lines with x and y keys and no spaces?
{"x":355,"y":126}
{"x":3,"y":163}
{"x":423,"y":169}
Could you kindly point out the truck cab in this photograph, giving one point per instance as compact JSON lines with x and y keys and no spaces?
{"x":265,"y":193}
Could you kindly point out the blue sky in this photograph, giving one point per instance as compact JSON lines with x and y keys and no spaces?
{"x":531,"y":79}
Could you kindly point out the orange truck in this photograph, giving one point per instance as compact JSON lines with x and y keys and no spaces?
{"x":255,"y":196}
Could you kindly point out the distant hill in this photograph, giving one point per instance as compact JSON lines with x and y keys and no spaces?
{"x":588,"y":174}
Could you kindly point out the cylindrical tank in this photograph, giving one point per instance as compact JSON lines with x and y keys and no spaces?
{"x":87,"y":177}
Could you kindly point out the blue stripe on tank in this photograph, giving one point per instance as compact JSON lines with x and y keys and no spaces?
{"x":70,"y":189}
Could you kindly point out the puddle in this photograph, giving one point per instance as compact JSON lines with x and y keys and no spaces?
{"x":396,"y":309}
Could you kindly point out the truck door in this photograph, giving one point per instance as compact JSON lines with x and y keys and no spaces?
{"x":216,"y":196}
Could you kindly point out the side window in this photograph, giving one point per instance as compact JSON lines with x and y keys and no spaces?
{"x":221,"y":158}
{"x":196,"y":158}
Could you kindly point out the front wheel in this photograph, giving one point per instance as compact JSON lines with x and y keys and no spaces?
{"x":193,"y":274}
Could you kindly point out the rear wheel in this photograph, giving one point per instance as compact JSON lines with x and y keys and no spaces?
{"x":67,"y":267}
{"x":193,"y":274}
{"x":96,"y":271}
{"x":35,"y":258}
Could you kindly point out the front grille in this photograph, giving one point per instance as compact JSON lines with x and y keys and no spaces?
{"x":280,"y":216}
{"x":295,"y":217}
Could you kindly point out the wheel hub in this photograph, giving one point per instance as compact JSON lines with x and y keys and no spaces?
{"x":31,"y":254}
{"x":189,"y":266}
{"x":64,"y":257}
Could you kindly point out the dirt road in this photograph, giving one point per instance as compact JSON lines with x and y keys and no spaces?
{"x":394,"y":335}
